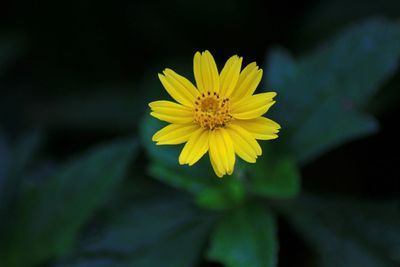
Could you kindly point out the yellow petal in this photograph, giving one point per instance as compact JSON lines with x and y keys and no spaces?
{"x":222,"y":151}
{"x":250,"y":68}
{"x":219,"y":172}
{"x":174,"y":134}
{"x":195,"y":148}
{"x":245,"y":144}
{"x":253,"y":106}
{"x":261,"y":127}
{"x":229,"y":150}
{"x":178,"y":87}
{"x":171,"y":112}
{"x":248,"y":81}
{"x":197,"y":71}
{"x":230,"y":75}
{"x":205,"y":72}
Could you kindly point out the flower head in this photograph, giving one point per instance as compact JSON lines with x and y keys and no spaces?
{"x":220,"y":115}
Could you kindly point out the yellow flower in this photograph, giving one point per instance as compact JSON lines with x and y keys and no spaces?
{"x":221,"y":116}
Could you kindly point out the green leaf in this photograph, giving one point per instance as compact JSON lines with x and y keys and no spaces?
{"x":142,"y":224}
{"x":194,"y":182}
{"x":162,"y":231}
{"x":99,"y":262}
{"x":245,"y":237}
{"x":4,"y":159}
{"x":210,"y":192}
{"x":15,"y":159}
{"x":308,"y":145}
{"x":228,"y":195}
{"x":275,"y":177}
{"x":15,"y":162}
{"x":24,"y":151}
{"x":182,"y":250}
{"x":348,"y":233}
{"x":48,"y":217}
{"x":321,"y":95}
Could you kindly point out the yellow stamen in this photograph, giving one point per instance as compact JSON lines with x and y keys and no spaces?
{"x":211,"y":111}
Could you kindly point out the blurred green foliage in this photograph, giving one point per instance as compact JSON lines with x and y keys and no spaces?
{"x":61,"y":205}
{"x":245,"y":237}
{"x":333,"y":83}
{"x":129,"y":203}
{"x":154,"y":232}
{"x":360,"y":233}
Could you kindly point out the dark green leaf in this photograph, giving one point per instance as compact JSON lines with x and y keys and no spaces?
{"x":210,"y":192}
{"x":275,"y":177}
{"x":182,"y":178}
{"x":24,"y":151}
{"x":229,"y":194}
{"x":166,"y":231}
{"x":99,"y":262}
{"x":348,"y":233}
{"x":144,"y":223}
{"x":320,"y":95}
{"x":245,"y":237}
{"x":346,"y":126}
{"x":181,"y":250}
{"x":48,"y":217}
{"x":4,"y":159}
{"x":16,"y":161}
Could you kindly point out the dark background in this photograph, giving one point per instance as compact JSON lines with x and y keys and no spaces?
{"x":71,"y":62}
{"x":83,"y":72}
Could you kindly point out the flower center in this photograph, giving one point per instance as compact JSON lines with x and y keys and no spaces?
{"x":211,"y":111}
